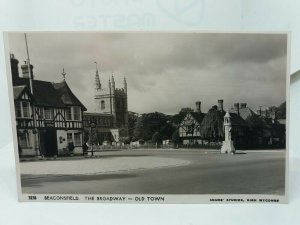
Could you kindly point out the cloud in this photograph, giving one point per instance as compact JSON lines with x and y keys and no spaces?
{"x":164,"y":71}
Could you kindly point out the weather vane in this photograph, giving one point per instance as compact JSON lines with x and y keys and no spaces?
{"x":64,"y":74}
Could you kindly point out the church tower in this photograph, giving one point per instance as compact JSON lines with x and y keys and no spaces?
{"x":112,"y":100}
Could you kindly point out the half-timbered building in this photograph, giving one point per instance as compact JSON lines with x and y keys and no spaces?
{"x":190,"y":126}
{"x":49,"y":116}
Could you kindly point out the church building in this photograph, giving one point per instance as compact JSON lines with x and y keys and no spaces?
{"x":110,"y":117}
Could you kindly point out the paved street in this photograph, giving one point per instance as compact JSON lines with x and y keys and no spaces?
{"x":211,"y":173}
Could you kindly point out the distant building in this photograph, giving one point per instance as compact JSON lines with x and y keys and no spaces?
{"x":249,"y":130}
{"x":48,"y":115}
{"x":190,"y":125}
{"x":111,"y":110}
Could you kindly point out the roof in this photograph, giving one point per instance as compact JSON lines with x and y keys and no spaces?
{"x":237,"y":120}
{"x":43,"y":92}
{"x":244,"y":112}
{"x":198,"y":116}
{"x":19,"y":90}
{"x":177,"y":119}
{"x":96,"y":114}
{"x":66,"y":95}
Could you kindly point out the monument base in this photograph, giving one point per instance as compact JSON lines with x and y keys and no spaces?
{"x":228,"y":147}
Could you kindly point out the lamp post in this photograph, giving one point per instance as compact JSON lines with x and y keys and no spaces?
{"x":93,"y":125}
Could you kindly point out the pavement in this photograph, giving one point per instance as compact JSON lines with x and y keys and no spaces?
{"x":97,"y":165}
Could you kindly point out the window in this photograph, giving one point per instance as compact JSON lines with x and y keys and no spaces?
{"x":22,"y":109}
{"x":24,"y":140}
{"x":190,"y":129}
{"x":69,"y":113}
{"x":77,"y":139}
{"x":18,"y":109}
{"x":69,"y":137}
{"x":102,"y":104}
{"x":48,"y":113}
{"x":26,"y":110}
{"x":41,"y":113}
{"x":77,"y":113}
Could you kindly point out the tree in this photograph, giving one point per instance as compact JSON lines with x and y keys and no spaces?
{"x":281,"y":111}
{"x":212,"y":125}
{"x":149,"y":123}
{"x":176,"y":138}
{"x":132,"y":120}
{"x":258,"y":129}
{"x":156,"y":138}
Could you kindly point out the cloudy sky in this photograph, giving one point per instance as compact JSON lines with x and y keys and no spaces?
{"x":165,"y":72}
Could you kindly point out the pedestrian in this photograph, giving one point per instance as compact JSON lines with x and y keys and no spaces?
{"x":71,"y":147}
{"x":85,"y":148}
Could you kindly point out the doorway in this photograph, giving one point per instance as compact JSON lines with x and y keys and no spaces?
{"x":48,"y":142}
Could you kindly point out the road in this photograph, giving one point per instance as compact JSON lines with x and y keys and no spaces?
{"x":211,"y":173}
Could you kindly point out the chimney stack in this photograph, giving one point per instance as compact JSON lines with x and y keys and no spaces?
{"x":198,"y":106}
{"x":25,"y":72}
{"x":237,"y":108}
{"x":243,"y":105}
{"x":220,"y":105}
{"x":14,"y":63}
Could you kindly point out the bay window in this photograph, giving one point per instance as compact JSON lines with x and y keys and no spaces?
{"x":22,"y":109}
{"x":73,"y":113}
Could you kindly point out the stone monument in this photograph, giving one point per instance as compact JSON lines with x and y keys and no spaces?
{"x":227,"y":146}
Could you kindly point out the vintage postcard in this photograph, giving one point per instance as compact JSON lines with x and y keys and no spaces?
{"x":150,"y":117}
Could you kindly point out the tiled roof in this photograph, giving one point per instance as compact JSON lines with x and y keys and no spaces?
{"x":198,"y":116}
{"x":43,"y":92}
{"x":244,"y":112}
{"x":18,"y":91}
{"x":237,"y":120}
{"x":66,"y":95}
{"x":177,"y":118}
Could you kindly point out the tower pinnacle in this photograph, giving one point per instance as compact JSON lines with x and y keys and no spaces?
{"x":125,"y":85}
{"x":97,"y":79}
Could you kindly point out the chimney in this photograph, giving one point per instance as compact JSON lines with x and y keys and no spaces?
{"x":14,"y":64}
{"x":25,"y":72}
{"x":243,"y":105}
{"x":220,"y":105}
{"x":258,"y":112}
{"x":237,"y":108}
{"x":198,"y":107}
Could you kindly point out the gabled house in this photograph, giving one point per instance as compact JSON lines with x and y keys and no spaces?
{"x":190,"y":126}
{"x":49,"y":114}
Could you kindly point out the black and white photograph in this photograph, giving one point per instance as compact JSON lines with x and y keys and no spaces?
{"x":150,"y":117}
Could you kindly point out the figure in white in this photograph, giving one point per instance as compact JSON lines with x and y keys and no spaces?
{"x":227,"y":146}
